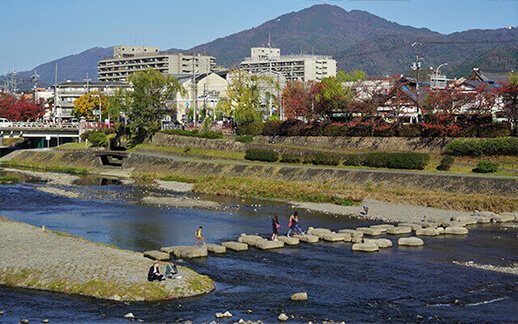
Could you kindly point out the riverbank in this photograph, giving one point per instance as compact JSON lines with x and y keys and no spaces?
{"x":45,"y":260}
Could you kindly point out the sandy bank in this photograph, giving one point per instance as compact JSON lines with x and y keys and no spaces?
{"x":46,"y":260}
{"x":180,"y":202}
{"x":174,"y":186}
{"x":52,"y":178}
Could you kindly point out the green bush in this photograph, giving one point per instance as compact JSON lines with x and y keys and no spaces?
{"x":291,"y":127}
{"x":245,"y":138}
{"x":352,"y":159}
{"x":261,"y":155}
{"x":8,"y":179}
{"x":322,"y":158}
{"x":193,"y":133}
{"x":446,"y":163}
{"x":411,"y":161}
{"x":253,"y":128}
{"x":335,"y":129}
{"x":97,"y":138}
{"x":291,"y":158}
{"x":496,"y":146}
{"x":486,"y":166}
{"x":272,"y":127}
{"x":375,"y":160}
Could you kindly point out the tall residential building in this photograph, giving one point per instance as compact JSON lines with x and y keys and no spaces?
{"x":301,"y":67}
{"x":129,"y":59}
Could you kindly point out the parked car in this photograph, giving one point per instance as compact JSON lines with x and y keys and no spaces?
{"x":4,"y":122}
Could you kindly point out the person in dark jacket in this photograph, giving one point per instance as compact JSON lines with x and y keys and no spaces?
{"x":154,"y":273}
{"x":275,"y":227}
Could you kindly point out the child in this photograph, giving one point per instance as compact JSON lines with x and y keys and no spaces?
{"x":198,"y":236}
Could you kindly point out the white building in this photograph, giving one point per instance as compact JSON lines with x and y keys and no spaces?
{"x":67,"y":92}
{"x":297,"y":67}
{"x":129,"y":59}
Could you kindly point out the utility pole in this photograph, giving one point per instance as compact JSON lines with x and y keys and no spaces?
{"x":195,"y":94}
{"x":270,"y":76}
{"x":55,"y":92}
{"x":87,"y":80}
{"x":418,"y":67}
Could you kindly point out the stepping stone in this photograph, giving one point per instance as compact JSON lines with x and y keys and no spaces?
{"x":453,"y":224}
{"x":251,"y":240}
{"x":503,"y":218}
{"x":441,"y":230}
{"x":333,"y":237}
{"x":171,"y":249}
{"x":482,"y":219}
{"x":427,"y":232}
{"x":157,"y":255}
{"x":430,"y":224}
{"x":345,"y":236}
{"x":365,"y":247}
{"x":397,"y":230}
{"x":235,"y":246}
{"x":485,"y":214}
{"x":381,"y":243}
{"x":468,"y":220}
{"x":369,"y":231}
{"x":190,"y":252}
{"x":356,"y":239}
{"x":215,"y":248}
{"x":354,"y":233}
{"x":320,"y":232}
{"x":382,"y":227}
{"x":289,"y":240}
{"x":268,"y":245}
{"x":307,"y":238}
{"x":456,"y":230}
{"x":410,"y":241}
{"x":413,"y":226}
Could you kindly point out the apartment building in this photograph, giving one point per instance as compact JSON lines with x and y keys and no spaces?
{"x":129,"y":59}
{"x":297,"y":67}
{"x":68,"y":92}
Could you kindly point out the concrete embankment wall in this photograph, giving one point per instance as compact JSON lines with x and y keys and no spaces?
{"x":461,"y":184}
{"x":162,"y":166}
{"x":297,"y":144}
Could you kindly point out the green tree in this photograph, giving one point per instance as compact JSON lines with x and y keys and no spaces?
{"x":336,"y":90}
{"x":151,"y":93}
{"x":115,"y":104}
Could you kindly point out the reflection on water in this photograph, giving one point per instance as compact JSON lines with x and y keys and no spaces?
{"x":395,"y":285}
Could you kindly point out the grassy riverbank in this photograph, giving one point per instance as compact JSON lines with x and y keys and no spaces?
{"x":338,"y":193}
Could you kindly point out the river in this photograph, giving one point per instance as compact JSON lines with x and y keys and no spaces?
{"x":395,"y":285}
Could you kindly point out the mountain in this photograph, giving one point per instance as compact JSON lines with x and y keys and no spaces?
{"x":357,"y":39}
{"x":72,"y":67}
{"x":495,"y":59}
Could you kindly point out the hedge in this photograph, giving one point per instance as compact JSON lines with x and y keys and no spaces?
{"x":411,"y":161}
{"x":496,"y":146}
{"x":253,"y":128}
{"x":261,"y":155}
{"x":446,"y":163}
{"x":245,"y":138}
{"x":322,"y":158}
{"x":193,"y":133}
{"x":272,"y":127}
{"x":291,"y":158}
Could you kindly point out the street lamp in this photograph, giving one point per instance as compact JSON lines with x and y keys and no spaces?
{"x":99,"y":96}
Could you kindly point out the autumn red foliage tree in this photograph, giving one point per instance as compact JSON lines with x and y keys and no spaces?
{"x":509,"y":93}
{"x":304,"y":100}
{"x":22,"y":109}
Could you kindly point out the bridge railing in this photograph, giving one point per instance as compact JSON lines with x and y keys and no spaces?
{"x":43,"y":125}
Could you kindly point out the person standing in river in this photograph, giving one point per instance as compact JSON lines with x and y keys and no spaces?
{"x":275,"y":227}
{"x":198,"y":236}
{"x":294,"y":224}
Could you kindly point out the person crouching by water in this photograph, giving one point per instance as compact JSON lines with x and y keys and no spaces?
{"x":198,"y":236}
{"x":275,"y":227}
{"x":171,"y":271}
{"x":294,"y":224}
{"x":154,"y":273}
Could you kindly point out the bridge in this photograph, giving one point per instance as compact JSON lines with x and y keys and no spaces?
{"x":48,"y":134}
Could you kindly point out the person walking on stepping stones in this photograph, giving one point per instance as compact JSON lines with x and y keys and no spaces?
{"x":294,"y":224}
{"x":198,"y":236}
{"x":275,"y":227}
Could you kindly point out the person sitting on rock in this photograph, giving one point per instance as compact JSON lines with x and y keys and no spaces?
{"x":154,"y":273}
{"x":198,"y":236}
{"x":171,"y":271}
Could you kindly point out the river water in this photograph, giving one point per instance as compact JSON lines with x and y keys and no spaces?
{"x":395,"y":285}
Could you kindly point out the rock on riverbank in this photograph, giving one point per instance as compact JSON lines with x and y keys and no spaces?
{"x":46,"y":260}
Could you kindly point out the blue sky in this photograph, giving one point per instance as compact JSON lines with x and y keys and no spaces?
{"x":33,"y":32}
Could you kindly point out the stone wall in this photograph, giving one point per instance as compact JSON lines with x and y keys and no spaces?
{"x":301,"y":144}
{"x":389,"y":179}
{"x":80,"y":160}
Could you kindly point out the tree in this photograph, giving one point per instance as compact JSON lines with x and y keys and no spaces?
{"x":509,"y":93}
{"x":304,"y":100}
{"x":242,"y":98}
{"x":22,"y":109}
{"x":337,"y":90}
{"x":87,"y":104}
{"x":116,"y":104}
{"x":151,"y":93}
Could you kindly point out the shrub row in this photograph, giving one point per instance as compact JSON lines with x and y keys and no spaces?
{"x":486,"y":167}
{"x":293,"y":127}
{"x":412,"y":161}
{"x":194,"y":133}
{"x":496,"y":146}
{"x":245,"y":138}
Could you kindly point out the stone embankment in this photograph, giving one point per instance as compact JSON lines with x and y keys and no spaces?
{"x":37,"y":258}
